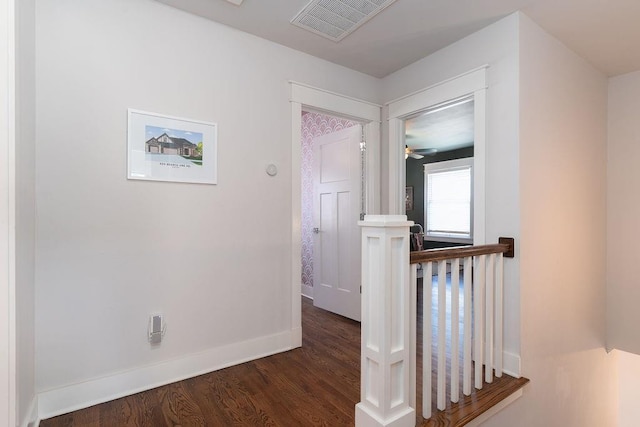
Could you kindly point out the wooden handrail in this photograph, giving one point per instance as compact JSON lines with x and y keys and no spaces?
{"x":505,"y":246}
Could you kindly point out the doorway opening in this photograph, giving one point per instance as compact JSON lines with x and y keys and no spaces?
{"x":307,"y":98}
{"x":439,"y":148}
{"x":332,"y":201}
{"x":462,"y":95}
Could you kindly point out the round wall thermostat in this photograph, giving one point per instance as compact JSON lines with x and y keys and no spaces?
{"x":272,"y":170}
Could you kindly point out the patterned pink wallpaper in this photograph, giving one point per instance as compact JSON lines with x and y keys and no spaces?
{"x":313,"y":125}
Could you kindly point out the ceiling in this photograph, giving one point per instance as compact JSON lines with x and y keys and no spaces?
{"x":441,"y":128}
{"x":605,"y":32}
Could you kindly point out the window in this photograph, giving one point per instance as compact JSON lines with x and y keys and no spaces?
{"x":448,"y":204}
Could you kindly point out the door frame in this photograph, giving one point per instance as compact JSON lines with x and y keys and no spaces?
{"x":473,"y":83}
{"x":305,"y":98}
{"x":8,"y":389}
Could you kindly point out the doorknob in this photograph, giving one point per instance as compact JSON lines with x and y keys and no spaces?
{"x":316,"y":230}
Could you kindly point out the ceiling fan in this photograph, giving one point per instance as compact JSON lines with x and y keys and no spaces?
{"x":418,"y":153}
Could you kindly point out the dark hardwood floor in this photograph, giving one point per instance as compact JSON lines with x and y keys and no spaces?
{"x":316,"y":385}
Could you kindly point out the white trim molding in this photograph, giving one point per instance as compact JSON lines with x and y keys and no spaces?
{"x":92,"y":392}
{"x":308,"y":98}
{"x":8,"y":387}
{"x":465,"y":83}
{"x":334,"y":103}
{"x":296,"y":220}
{"x":511,"y":364}
{"x":33,"y":419}
{"x":307,"y":291}
{"x":472,"y":83}
{"x":495,"y":409}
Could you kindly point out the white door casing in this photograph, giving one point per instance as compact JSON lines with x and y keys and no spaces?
{"x":310,"y":98}
{"x":471,"y":83}
{"x":8,"y":329}
{"x":336,"y":211}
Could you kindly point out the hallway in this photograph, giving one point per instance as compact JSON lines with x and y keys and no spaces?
{"x":316,"y":385}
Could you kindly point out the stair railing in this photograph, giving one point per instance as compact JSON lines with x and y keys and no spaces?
{"x":481,"y":271}
{"x":389,"y":312}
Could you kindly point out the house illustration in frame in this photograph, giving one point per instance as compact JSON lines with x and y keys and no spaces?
{"x":164,"y":144}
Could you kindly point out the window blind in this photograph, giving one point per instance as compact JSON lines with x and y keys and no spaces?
{"x":449,"y":202}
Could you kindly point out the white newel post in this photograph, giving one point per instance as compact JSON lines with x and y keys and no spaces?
{"x":386,"y":340}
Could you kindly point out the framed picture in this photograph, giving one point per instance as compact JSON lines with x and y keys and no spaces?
{"x":164,"y":148}
{"x":408,"y":198}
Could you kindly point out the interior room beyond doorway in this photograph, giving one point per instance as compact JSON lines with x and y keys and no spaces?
{"x":433,"y":138}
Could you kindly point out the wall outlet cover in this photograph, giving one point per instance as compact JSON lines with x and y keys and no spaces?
{"x":156,"y":328}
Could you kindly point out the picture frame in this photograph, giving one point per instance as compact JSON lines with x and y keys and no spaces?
{"x":166,"y":148}
{"x":408,"y":198}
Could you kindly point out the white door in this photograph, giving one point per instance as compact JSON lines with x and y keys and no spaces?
{"x":336,"y":245}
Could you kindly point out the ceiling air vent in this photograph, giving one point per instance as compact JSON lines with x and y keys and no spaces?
{"x":336,"y":19}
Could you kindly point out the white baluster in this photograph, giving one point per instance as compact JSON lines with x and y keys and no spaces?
{"x":455,"y":328}
{"x":499,"y":317}
{"x":466,"y":333}
{"x":488,"y":371}
{"x":478,"y":322}
{"x":427,"y":277}
{"x":413,"y":352}
{"x":442,"y":335}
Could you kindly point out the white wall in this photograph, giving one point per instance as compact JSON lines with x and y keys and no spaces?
{"x":25,"y":211}
{"x":214,"y":259}
{"x":623,"y":211}
{"x":563,"y":110}
{"x":546,"y":187}
{"x":628,"y":374}
{"x":108,"y":256}
{"x":497,"y":47}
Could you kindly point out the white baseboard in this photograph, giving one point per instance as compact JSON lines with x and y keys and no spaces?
{"x":495,"y":409}
{"x":511,"y":364}
{"x":296,"y":338}
{"x":32,"y":419}
{"x":92,"y":392}
{"x":306,"y":291}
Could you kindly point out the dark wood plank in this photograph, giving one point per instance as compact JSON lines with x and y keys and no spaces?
{"x":316,"y":385}
{"x":134,"y":410}
{"x":446,"y":254}
{"x":178,"y":407}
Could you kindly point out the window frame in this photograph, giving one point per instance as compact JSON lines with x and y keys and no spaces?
{"x":444,"y":166}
